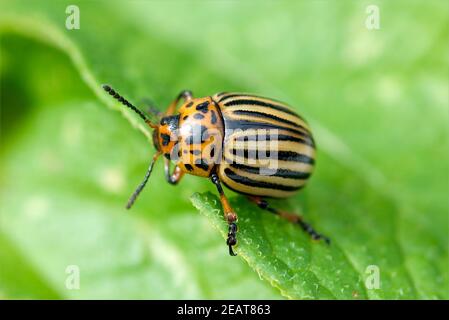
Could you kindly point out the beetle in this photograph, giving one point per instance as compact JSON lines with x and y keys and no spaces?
{"x":255,"y":146}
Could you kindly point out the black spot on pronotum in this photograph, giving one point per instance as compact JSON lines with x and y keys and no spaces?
{"x":188,"y":167}
{"x":204,"y":133}
{"x":189,"y":140}
{"x":185,"y":117}
{"x":165,"y":139}
{"x":199,"y":134}
{"x":203,"y":107}
{"x":189,"y":104}
{"x":212,"y":152}
{"x":198,"y":116}
{"x":213,"y":117}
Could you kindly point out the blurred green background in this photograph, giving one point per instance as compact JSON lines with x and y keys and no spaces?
{"x":377,"y":101}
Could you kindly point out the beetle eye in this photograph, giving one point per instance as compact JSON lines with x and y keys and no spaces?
{"x":156,"y":140}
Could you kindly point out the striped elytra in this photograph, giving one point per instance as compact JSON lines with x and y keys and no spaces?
{"x":257,"y":126}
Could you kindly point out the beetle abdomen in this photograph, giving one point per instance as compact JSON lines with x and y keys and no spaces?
{"x":268,"y":149}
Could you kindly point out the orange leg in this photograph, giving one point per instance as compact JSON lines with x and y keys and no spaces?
{"x":263,"y":204}
{"x":151,"y":107}
{"x":186,"y":95}
{"x":229,"y":214}
{"x":175,"y":176}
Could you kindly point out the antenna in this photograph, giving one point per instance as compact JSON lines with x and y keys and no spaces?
{"x":136,"y":193}
{"x":125,"y":102}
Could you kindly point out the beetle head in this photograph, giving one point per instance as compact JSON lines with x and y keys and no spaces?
{"x":165,"y":135}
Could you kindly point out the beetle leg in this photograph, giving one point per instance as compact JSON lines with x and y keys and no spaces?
{"x":229,"y":214}
{"x":186,"y":95}
{"x":151,"y":107}
{"x":175,"y":176}
{"x":263,"y":204}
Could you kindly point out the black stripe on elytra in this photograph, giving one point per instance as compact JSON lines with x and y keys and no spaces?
{"x":275,"y":137}
{"x":279,"y":155}
{"x":263,"y":104}
{"x":284,"y":173}
{"x":230,"y":96}
{"x":245,"y":96}
{"x":165,"y":139}
{"x":262,"y":115}
{"x":189,"y":104}
{"x":248,"y":124}
{"x":259,"y":184}
{"x":203,"y":107}
{"x":188,"y":167}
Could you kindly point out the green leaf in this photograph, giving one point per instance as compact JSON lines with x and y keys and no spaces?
{"x":377,"y":101}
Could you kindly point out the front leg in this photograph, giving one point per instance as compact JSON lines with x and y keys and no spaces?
{"x":175,"y":177}
{"x":151,"y":107}
{"x":186,"y":95}
{"x":229,"y":214}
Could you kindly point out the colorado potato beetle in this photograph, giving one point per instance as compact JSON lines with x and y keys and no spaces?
{"x":255,"y":146}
